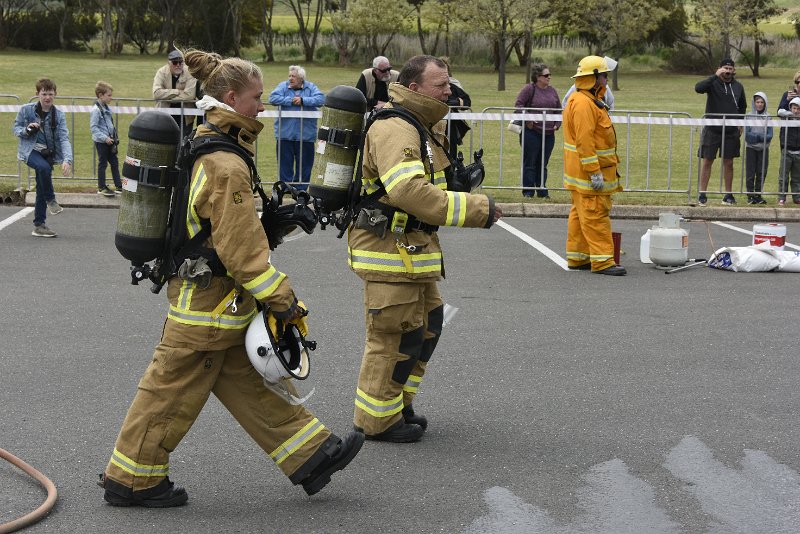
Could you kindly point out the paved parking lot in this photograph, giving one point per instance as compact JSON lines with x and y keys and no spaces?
{"x":558,"y":401}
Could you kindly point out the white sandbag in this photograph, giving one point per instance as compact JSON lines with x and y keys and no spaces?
{"x":752,"y":259}
{"x":790,"y":261}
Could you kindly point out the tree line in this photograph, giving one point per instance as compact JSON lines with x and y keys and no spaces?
{"x":712,"y":28}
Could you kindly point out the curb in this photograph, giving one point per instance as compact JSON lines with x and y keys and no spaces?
{"x":521,"y":209}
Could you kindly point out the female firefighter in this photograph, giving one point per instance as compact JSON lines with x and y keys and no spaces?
{"x":202,"y":348}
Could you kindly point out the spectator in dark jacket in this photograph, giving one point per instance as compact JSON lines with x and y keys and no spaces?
{"x":724,"y":99}
{"x":790,"y":154}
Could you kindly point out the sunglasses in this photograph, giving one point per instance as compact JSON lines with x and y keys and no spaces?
{"x":545,"y":75}
{"x":797,"y":81}
{"x":177,"y":62}
{"x":387,"y":69}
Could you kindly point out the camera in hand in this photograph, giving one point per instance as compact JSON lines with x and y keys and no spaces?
{"x":32,"y":130}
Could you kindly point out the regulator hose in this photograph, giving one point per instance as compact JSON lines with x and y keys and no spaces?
{"x":46,"y":506}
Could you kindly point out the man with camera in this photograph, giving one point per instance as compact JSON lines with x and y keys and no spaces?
{"x":43,"y":142}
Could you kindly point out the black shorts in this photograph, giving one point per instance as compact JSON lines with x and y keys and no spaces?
{"x":711,"y":142}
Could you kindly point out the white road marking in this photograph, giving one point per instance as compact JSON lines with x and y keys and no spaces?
{"x":558,"y":260}
{"x":14,"y":218}
{"x":748,"y":232}
{"x":762,"y":496}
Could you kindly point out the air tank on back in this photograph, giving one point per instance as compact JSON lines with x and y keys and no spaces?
{"x":153,"y":139}
{"x":669,"y":243}
{"x":338,"y":140}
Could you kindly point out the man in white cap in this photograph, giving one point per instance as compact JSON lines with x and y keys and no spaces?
{"x":173,"y":86}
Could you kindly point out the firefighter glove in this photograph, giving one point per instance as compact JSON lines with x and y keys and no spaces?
{"x":597,"y":181}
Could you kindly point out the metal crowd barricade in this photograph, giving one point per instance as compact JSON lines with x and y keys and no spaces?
{"x":12,"y":143}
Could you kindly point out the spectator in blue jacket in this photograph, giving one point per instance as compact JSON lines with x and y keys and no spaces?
{"x":106,"y":140}
{"x":43,"y":142}
{"x":296,"y":136}
{"x":756,"y":156}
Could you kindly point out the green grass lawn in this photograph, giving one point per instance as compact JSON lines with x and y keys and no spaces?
{"x":131,"y":75}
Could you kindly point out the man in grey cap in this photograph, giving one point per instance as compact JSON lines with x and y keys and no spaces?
{"x":173,"y":86}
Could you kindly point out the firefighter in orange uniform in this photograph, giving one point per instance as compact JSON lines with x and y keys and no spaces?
{"x":394,"y":248}
{"x":590,"y":170}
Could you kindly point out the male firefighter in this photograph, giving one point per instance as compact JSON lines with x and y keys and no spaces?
{"x":590,"y":170}
{"x":400,"y":260}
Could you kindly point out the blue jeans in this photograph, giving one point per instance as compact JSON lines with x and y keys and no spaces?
{"x":104,"y":157}
{"x":289,"y":155}
{"x":534,"y":163}
{"x":44,"y":186}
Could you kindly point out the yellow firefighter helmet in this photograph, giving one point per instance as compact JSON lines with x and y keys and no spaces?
{"x":593,"y":65}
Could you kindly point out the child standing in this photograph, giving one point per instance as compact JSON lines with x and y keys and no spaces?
{"x":104,"y":135}
{"x":757,"y":139}
{"x":790,"y":154}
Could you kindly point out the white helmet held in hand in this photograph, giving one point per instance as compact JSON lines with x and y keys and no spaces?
{"x":279,"y":353}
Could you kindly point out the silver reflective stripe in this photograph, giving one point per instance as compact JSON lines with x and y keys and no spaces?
{"x":294,"y":443}
{"x":378,"y":261}
{"x":205,"y":317}
{"x":394,"y":407}
{"x":265,"y":284}
{"x":186,"y":291}
{"x":404,"y":170}
{"x":138,"y":470}
{"x":456,"y":199}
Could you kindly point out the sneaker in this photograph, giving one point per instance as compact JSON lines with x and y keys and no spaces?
{"x":321,"y":475}
{"x":413,"y":419}
{"x":164,"y":495}
{"x":760,"y":200}
{"x":781,"y":202}
{"x":117,"y":191}
{"x":105,"y":192}
{"x":614,"y":270}
{"x":701,"y":199}
{"x":43,"y":231}
{"x":797,"y":201}
{"x":752,"y":200}
{"x":54,"y":207}
{"x":400,"y":432}
{"x":728,"y":199}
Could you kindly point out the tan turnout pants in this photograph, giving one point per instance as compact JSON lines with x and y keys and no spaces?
{"x":171,"y":394}
{"x":403,"y":324}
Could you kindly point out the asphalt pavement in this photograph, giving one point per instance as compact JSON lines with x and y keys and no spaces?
{"x":558,"y":401}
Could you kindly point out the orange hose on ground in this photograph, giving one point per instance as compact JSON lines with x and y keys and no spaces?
{"x":44,"y":509}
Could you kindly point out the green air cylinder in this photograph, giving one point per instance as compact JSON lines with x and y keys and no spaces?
{"x":338,"y":140}
{"x":153,"y":140}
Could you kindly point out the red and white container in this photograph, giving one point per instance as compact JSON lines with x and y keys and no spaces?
{"x":773,"y":233}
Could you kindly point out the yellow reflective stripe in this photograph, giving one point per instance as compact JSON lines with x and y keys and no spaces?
{"x":606,"y":152}
{"x":224,"y":303}
{"x":390,"y":262}
{"x":402,"y":171}
{"x":371,"y":185}
{"x":601,"y":257}
{"x":577,"y":256}
{"x":590,"y":159}
{"x":379,"y":408}
{"x":192,"y":219}
{"x":586,"y":185}
{"x":204,"y":318}
{"x":456,"y":209}
{"x":137,"y":469}
{"x":185,"y":295}
{"x":299,"y":439}
{"x":569,"y":147}
{"x":412,"y":384}
{"x":440,"y":180}
{"x":265,"y":284}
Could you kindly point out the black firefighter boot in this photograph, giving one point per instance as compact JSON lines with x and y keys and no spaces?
{"x":335,"y":454}
{"x":164,"y":495}
{"x":413,"y":419}
{"x":400,"y":432}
